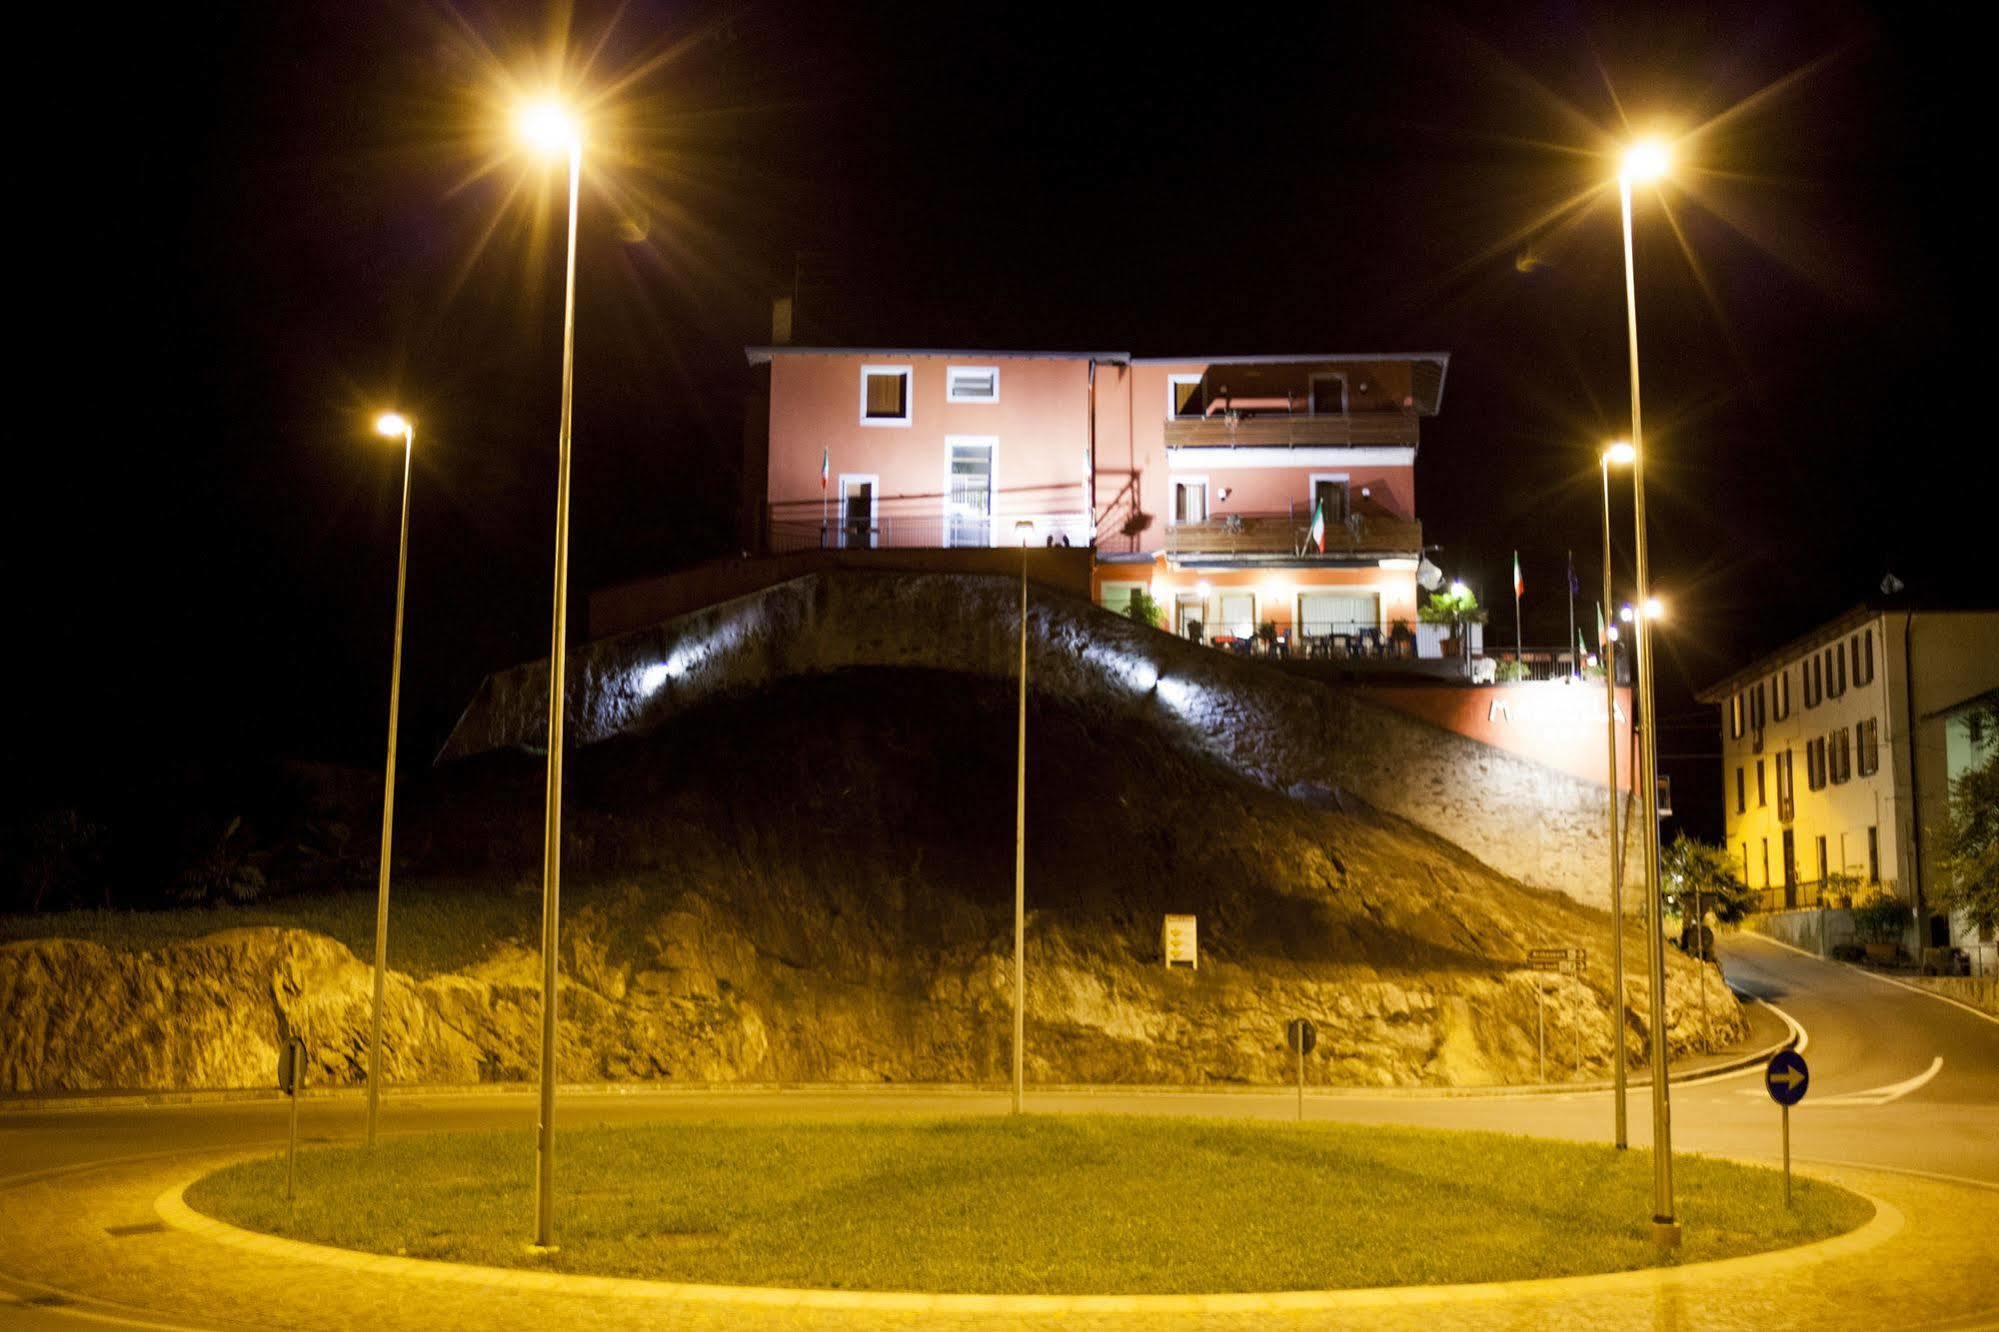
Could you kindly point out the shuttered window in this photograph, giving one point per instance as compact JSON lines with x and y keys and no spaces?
{"x":885,"y":395}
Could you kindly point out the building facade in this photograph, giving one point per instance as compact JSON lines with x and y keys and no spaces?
{"x":1836,"y":753}
{"x":1242,"y":494}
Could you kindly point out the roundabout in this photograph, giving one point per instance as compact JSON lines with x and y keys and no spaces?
{"x":1112,"y":1205}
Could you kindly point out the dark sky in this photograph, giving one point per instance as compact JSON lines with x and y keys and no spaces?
{"x":265,"y":221}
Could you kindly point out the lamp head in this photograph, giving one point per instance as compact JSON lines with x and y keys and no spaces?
{"x":393,"y":425}
{"x":1655,"y":609}
{"x":547,"y":125}
{"x":1459,"y":590}
{"x":1620,"y":453}
{"x":1645,"y":161}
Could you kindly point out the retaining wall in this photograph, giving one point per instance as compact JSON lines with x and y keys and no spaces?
{"x":1313,"y":739}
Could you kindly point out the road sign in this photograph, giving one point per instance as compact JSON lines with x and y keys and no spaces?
{"x":1787,"y":1078}
{"x":1302,"y":1035}
{"x":1179,"y":942}
{"x":1566,"y":961}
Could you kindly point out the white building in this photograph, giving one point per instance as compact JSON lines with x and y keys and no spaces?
{"x":1836,"y":751}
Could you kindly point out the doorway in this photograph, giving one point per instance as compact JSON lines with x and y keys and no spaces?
{"x":858,"y":507}
{"x":968,"y":508}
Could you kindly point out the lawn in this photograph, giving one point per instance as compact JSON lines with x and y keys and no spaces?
{"x":1041,"y":1204}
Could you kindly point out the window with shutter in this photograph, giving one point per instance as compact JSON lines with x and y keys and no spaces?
{"x":885,"y":395}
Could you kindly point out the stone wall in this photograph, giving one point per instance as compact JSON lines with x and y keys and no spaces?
{"x":1316,"y":740}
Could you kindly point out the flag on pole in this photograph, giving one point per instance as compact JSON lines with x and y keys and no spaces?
{"x":825,"y":467}
{"x":1518,"y":585}
{"x":1602,"y":635}
{"x":1319,"y":524}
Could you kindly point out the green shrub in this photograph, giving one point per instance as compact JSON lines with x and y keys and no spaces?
{"x":1881,"y":918}
{"x":1146,"y":609}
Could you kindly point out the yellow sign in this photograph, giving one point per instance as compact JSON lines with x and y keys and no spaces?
{"x":1177,"y":942}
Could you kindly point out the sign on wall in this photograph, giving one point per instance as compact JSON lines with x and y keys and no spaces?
{"x":1177,"y":942}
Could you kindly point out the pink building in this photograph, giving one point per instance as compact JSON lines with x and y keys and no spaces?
{"x":1237,"y":491}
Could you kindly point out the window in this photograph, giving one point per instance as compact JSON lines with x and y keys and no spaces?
{"x":968,"y":504}
{"x":1756,"y":707}
{"x":1835,"y":671}
{"x":1183,"y":395}
{"x":1735,"y":717}
{"x":1784,"y":789}
{"x":1741,"y":793}
{"x":1117,"y":596}
{"x":1814,"y":680}
{"x":1329,"y":395}
{"x":1839,"y":753}
{"x":1238,"y":614}
{"x":1762,"y":792}
{"x":885,"y":395}
{"x":1824,"y":869}
{"x":1863,"y":657}
{"x":1815,"y":763}
{"x":1873,"y":854}
{"x":1782,"y":688}
{"x":1766,"y":862}
{"x":1331,"y":491}
{"x":971,"y":383}
{"x":1745,"y":862}
{"x":1867,"y":738}
{"x":1190,"y":499}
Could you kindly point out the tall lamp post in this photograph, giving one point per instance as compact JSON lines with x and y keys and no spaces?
{"x":1024,"y":529}
{"x":1643,"y":162}
{"x":551,"y":128}
{"x":390,"y":425}
{"x":1621,"y":453}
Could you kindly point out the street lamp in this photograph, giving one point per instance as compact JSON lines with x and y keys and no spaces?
{"x":389,"y":425}
{"x":1621,"y":454}
{"x":551,"y":128}
{"x":1024,"y":529}
{"x":1644,"y":161}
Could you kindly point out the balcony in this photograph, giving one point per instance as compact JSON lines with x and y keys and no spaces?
{"x":1287,"y":538}
{"x":1285,"y":430}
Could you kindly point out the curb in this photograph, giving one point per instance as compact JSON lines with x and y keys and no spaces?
{"x":1886,"y":1223}
{"x":1884,"y":979}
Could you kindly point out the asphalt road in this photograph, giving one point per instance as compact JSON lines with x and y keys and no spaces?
{"x":1900,"y":1080}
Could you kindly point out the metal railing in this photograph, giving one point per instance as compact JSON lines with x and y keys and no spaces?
{"x":1289,"y":535}
{"x":924,"y":530}
{"x":1283,"y":430}
{"x":1327,"y":640}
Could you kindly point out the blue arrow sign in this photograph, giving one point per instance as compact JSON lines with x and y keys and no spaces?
{"x":1787,"y":1077}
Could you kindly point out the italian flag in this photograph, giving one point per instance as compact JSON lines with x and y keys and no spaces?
{"x":825,"y":467}
{"x":1318,"y":535}
{"x":1519,"y":585}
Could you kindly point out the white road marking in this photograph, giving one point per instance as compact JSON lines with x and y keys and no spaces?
{"x":1885,"y":980}
{"x":1883,"y":1095}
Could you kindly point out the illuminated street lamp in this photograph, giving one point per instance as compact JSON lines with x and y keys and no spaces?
{"x":389,"y":425}
{"x":1620,"y":454}
{"x":551,"y":128}
{"x":1645,"y":161}
{"x":1024,"y":529}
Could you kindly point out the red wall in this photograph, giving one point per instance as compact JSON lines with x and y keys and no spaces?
{"x":1554,"y":723}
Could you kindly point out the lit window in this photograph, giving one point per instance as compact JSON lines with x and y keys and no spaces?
{"x":1183,"y":395}
{"x":885,"y":395}
{"x":1863,"y":657}
{"x":971,"y":383}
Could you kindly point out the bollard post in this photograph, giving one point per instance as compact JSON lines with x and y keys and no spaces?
{"x":1301,"y":1082}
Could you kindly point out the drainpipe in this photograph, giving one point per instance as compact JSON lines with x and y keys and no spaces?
{"x":1090,"y":464}
{"x":1915,"y":801}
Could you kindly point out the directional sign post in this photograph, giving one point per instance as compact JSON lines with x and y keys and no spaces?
{"x":1562,"y":962}
{"x":1301,"y":1034}
{"x":291,"y":1081}
{"x":1787,"y":1078}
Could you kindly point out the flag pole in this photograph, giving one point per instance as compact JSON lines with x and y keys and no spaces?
{"x":1519,"y":652}
{"x":1575,"y":664}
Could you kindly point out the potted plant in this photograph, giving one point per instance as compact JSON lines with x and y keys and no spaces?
{"x":1402,"y":636}
{"x":1879,"y":921}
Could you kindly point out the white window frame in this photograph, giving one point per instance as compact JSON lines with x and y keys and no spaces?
{"x":874,"y":508}
{"x":908,"y":374}
{"x":992,"y":444}
{"x":951,"y":374}
{"x":1173,"y":382}
{"x":1176,"y":479}
{"x":1221,"y":596}
{"x":1114,"y":585}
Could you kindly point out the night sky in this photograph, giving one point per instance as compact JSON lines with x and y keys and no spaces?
{"x":264,"y":223}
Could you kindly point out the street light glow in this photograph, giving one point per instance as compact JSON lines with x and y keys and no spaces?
{"x":1459,"y":590}
{"x":1655,"y":609}
{"x":392,"y":425}
{"x":1645,"y":161}
{"x":1620,"y":453}
{"x":548,"y":125}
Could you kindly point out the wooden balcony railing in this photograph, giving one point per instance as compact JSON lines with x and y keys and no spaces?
{"x":1288,"y":535}
{"x":1282,"y":431}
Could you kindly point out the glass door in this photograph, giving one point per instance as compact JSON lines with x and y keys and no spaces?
{"x":969,"y":505}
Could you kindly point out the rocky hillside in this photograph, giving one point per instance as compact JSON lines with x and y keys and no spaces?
{"x":814,"y":882}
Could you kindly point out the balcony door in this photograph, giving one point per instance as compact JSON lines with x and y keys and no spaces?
{"x":968,"y":496}
{"x":859,"y":529}
{"x":1190,"y":499}
{"x":1331,"y":492}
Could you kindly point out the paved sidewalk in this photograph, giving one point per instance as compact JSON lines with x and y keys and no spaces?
{"x":94,"y":1236}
